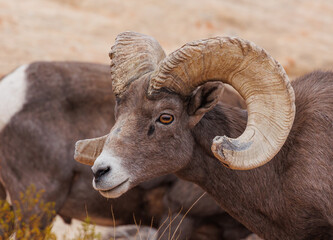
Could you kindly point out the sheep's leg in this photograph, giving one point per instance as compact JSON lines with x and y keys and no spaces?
{"x":83,"y":201}
{"x":3,"y":194}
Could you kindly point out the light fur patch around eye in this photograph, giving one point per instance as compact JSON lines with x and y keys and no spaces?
{"x":13,"y":90}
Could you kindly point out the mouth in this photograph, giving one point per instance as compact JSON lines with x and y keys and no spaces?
{"x":107,"y":192}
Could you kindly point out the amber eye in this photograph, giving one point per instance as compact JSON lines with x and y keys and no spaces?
{"x":165,"y":119}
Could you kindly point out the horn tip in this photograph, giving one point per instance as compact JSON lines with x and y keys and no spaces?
{"x":224,"y":149}
{"x":80,"y":157}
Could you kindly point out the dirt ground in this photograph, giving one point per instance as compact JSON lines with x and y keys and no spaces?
{"x":298,"y":33}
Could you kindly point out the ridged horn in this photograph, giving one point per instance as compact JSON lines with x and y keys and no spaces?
{"x":86,"y":151}
{"x":132,"y":56}
{"x":259,"y":79}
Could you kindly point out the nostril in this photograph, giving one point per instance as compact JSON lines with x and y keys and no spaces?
{"x":100,"y":172}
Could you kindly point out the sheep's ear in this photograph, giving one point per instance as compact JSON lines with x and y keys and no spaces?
{"x":86,"y":151}
{"x":203,"y":100}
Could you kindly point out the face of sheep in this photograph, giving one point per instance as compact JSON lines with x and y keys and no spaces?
{"x":158,"y":104}
{"x":151,"y":137}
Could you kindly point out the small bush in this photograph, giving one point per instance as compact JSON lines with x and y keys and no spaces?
{"x":29,"y":228}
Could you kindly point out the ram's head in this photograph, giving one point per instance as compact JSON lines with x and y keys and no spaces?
{"x":159,"y":105}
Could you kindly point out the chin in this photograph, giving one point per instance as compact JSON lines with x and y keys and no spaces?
{"x":110,"y":194}
{"x":115,"y":192}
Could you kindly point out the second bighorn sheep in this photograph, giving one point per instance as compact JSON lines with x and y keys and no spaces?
{"x":284,"y":147}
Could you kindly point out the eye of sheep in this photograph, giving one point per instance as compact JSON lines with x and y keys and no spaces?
{"x":165,"y":119}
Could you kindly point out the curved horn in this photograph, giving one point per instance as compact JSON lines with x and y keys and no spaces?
{"x":132,"y":56}
{"x":86,"y":151}
{"x":259,"y":79}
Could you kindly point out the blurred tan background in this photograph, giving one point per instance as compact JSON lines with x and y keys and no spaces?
{"x":298,"y":33}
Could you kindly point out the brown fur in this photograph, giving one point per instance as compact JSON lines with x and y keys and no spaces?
{"x":288,"y":198}
{"x":67,"y":101}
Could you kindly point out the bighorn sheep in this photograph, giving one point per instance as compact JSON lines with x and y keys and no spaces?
{"x":47,"y":106}
{"x":163,"y":126}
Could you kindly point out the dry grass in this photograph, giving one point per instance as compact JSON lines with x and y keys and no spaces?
{"x":30,"y":228}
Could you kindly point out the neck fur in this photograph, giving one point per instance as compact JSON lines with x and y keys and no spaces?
{"x":236,"y":191}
